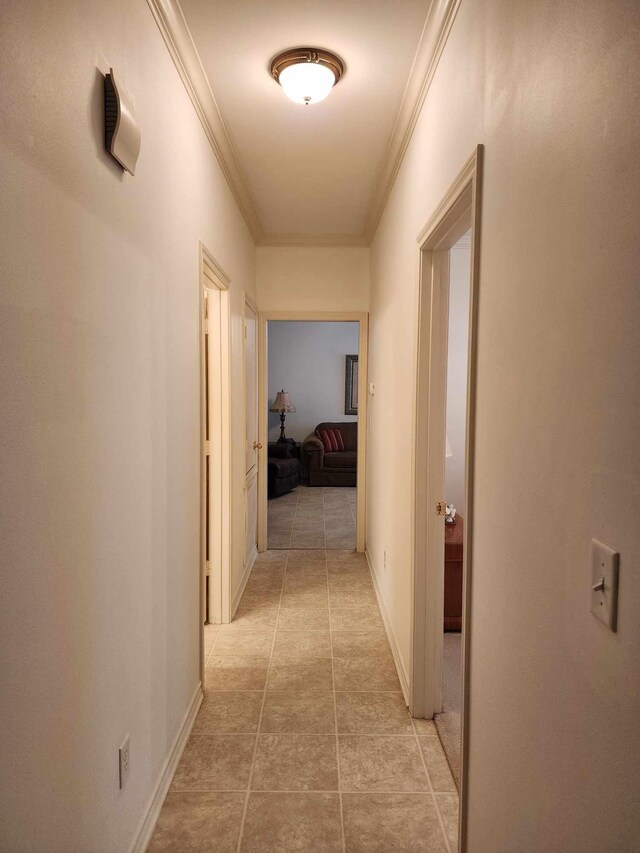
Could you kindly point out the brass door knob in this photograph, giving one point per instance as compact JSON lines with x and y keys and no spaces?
{"x":257,"y":445}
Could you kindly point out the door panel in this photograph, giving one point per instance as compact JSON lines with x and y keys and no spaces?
{"x":251,"y":368}
{"x":251,"y":547}
{"x":212,"y":453}
{"x":251,"y":439}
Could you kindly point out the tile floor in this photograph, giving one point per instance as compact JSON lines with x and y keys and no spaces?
{"x":303,"y":742}
{"x":313,"y":517}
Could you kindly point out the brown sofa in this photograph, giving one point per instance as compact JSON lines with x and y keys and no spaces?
{"x":338,"y":468}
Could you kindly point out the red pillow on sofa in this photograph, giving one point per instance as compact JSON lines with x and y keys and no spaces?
{"x":331,"y":440}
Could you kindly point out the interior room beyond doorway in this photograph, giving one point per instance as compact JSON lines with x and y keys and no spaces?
{"x":448,"y":722}
{"x":312,"y":434}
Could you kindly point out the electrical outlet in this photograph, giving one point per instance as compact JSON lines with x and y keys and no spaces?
{"x":123,"y":759}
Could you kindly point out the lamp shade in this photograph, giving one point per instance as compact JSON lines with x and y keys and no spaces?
{"x":307,"y":74}
{"x":282,"y":403}
{"x":307,"y":82}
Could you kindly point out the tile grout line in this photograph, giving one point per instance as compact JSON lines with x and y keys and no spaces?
{"x":433,"y":794}
{"x":293,"y":690}
{"x":324,"y":528}
{"x":335,"y":712}
{"x":364,"y":792}
{"x":353,"y":514}
{"x":208,"y":654}
{"x":264,"y":699}
{"x":324,"y":536}
{"x":293,"y":524}
{"x":213,"y":645}
{"x":314,"y":734}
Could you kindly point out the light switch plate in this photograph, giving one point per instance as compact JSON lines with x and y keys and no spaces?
{"x":604,"y":583}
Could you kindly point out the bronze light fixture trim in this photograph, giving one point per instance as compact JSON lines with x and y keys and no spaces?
{"x":302,"y":57}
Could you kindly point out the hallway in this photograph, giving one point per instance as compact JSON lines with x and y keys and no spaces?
{"x":303,"y":742}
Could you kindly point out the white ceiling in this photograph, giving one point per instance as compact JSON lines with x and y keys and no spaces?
{"x":309,"y":170}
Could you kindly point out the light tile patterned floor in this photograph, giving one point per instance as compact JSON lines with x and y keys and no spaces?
{"x":303,"y":742}
{"x":313,"y":517}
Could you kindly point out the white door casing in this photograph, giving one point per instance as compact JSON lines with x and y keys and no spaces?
{"x":360,"y":317}
{"x":215,"y":438}
{"x":459,"y":210}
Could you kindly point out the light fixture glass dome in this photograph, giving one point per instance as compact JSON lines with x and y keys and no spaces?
{"x":307,"y":74}
{"x":307,"y":82}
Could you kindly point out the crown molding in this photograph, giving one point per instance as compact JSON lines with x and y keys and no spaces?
{"x":171,"y":22}
{"x":434,"y":37}
{"x":313,"y":240}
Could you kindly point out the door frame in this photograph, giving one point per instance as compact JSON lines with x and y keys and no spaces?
{"x":215,"y":281}
{"x":459,"y":210}
{"x":360,"y":317}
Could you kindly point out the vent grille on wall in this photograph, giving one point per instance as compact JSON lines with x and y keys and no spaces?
{"x":121,"y":131}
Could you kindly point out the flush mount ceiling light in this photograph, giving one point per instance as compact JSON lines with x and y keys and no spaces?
{"x":307,"y":74}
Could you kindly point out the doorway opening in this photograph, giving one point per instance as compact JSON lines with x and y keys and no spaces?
{"x":444,"y":465}
{"x":312,"y":428}
{"x":215,"y":478}
{"x":312,"y":394}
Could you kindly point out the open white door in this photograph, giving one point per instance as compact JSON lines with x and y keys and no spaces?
{"x":252,"y":444}
{"x":457,"y":213}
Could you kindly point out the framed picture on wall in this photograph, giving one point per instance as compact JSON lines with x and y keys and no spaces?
{"x":351,"y":385}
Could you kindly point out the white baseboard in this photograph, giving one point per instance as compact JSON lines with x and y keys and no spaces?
{"x":402,"y":673}
{"x":150,"y":817}
{"x":243,"y":583}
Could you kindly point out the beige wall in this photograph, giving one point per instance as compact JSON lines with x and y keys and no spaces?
{"x":308,"y":360}
{"x":551,"y":90}
{"x":100,"y":432}
{"x":313,"y":279}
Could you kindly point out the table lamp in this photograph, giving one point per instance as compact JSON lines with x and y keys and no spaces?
{"x":282,"y":404}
